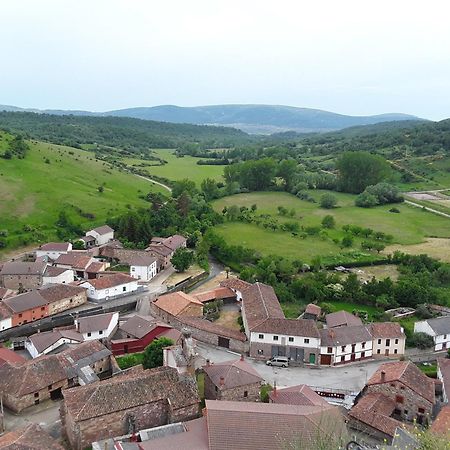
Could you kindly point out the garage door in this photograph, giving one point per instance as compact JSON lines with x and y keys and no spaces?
{"x":224,"y":342}
{"x":325,"y":360}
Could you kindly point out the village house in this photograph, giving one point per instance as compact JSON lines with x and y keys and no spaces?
{"x":77,"y":261}
{"x":438,"y":328}
{"x":25,"y":308}
{"x":5,"y":317}
{"x":441,"y":424}
{"x":224,"y":294}
{"x":312,"y":312}
{"x":110,"y":286}
{"x":177,"y":304}
{"x":237,"y":286}
{"x":164,"y":248}
{"x":20,"y":275}
{"x":232,"y":380}
{"x":133,"y":401}
{"x":100,"y":326}
{"x":345,"y":344}
{"x":137,"y":332}
{"x":5,"y":293}
{"x":342,"y":319}
{"x":53,"y":341}
{"x":57,"y":275}
{"x":443,"y":374}
{"x":28,"y":437}
{"x":181,"y":356}
{"x":297,"y":395}
{"x":143,"y":267}
{"x":98,"y":236}
{"x":61,"y":297}
{"x":388,"y":339}
{"x":10,"y":356}
{"x":53,"y":250}
{"x":33,"y":381}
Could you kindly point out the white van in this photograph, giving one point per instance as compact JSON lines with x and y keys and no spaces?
{"x":280,"y":361}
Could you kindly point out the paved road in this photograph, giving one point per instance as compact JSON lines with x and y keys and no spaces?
{"x":351,"y":377}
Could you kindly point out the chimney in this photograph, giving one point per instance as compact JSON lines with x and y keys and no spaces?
{"x":383,"y":376}
{"x":242,"y":357}
{"x":208,"y":363}
{"x":222,"y":381}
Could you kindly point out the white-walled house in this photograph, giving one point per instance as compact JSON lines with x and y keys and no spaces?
{"x":438,"y":328}
{"x":100,"y":326}
{"x":388,"y":339}
{"x":53,"y":249}
{"x":345,"y":344}
{"x":110,"y":286}
{"x":102,"y":235}
{"x":5,"y":317}
{"x":46,"y":342}
{"x":143,"y":267}
{"x":57,"y":275}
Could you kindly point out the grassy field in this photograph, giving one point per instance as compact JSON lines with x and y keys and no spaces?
{"x":411,"y":226}
{"x":54,"y":178}
{"x":178,"y":168}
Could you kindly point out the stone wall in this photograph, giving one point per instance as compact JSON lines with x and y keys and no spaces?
{"x":212,"y":392}
{"x":67,"y":303}
{"x":366,"y":429}
{"x":25,"y":281}
{"x":263,"y":350}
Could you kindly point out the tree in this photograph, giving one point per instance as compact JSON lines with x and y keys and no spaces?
{"x":357,"y":170}
{"x":153,"y":353}
{"x":210,"y":189}
{"x":328,"y":201}
{"x":421,"y":340}
{"x":287,"y":170}
{"x":379,"y":194}
{"x":184,"y":185}
{"x":182,"y":259}
{"x":328,"y":222}
{"x":347,"y":241}
{"x":366,"y":200}
{"x":78,"y":245}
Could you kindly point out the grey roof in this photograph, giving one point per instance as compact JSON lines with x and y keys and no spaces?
{"x":24,"y":302}
{"x":104,"y":229}
{"x":55,"y":247}
{"x":342,"y":318}
{"x":344,"y":335}
{"x":23,"y":268}
{"x":440,"y":325}
{"x":142,"y":260}
{"x":44,"y":340}
{"x":53,"y":271}
{"x":94,"y":323}
{"x":138,"y":326}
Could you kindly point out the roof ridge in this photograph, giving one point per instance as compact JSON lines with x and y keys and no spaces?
{"x":263,"y":299}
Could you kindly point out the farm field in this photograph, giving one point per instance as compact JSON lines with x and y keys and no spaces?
{"x":438,"y":248}
{"x":54,"y":178}
{"x":410,"y":226}
{"x":178,"y":168}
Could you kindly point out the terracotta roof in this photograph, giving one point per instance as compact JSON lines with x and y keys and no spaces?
{"x":206,"y":325}
{"x":441,"y":424}
{"x":53,"y":271}
{"x":98,"y":322}
{"x":311,"y":308}
{"x":444,"y":366}
{"x":234,"y":373}
{"x":385,"y":330}
{"x":159,"y":249}
{"x":44,"y":340}
{"x":292,"y":327}
{"x":342,"y":318}
{"x":24,"y":302}
{"x":172,"y":242}
{"x":259,"y":303}
{"x":142,"y":260}
{"x":29,"y":437}
{"x":55,"y":292}
{"x":236,"y":283}
{"x":407,"y":373}
{"x":10,"y":356}
{"x":171,"y":333}
{"x":215,"y":294}
{"x":76,"y":260}
{"x":268,"y":426}
{"x":297,"y":395}
{"x":440,"y":325}
{"x":55,"y":247}
{"x":23,"y":268}
{"x":375,"y":409}
{"x":130,"y":391}
{"x":109,"y":281}
{"x":95,"y":267}
{"x":104,"y":229}
{"x":344,"y":336}
{"x":176,"y":302}
{"x":138,"y":326}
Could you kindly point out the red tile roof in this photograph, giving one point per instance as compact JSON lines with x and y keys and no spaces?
{"x":386,"y":330}
{"x":407,"y":373}
{"x":10,"y":356}
{"x":291,"y":327}
{"x":109,"y":281}
{"x":23,"y":268}
{"x":176,"y":302}
{"x":342,"y":318}
{"x":55,"y":292}
{"x":313,"y":309}
{"x":236,"y":283}
{"x":215,"y":294}
{"x":55,"y":247}
{"x":104,"y":229}
{"x":29,"y":437}
{"x":77,"y":260}
{"x":297,"y":395}
{"x":441,"y":424}
{"x":234,"y":373}
{"x":44,"y":340}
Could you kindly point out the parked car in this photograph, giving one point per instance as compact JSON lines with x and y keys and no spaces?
{"x":280,"y":361}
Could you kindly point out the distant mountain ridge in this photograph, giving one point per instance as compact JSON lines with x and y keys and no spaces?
{"x":257,"y":119}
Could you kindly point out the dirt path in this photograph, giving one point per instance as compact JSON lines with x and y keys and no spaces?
{"x":154,"y":182}
{"x":435,"y":247}
{"x":435,"y":211}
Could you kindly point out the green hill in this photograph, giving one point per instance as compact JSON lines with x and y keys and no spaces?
{"x":53,"y":178}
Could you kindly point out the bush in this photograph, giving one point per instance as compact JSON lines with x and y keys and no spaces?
{"x":422,"y":312}
{"x":328,"y":222}
{"x":394,"y":210}
{"x":366,"y":200}
{"x":328,"y":201}
{"x":264,"y":392}
{"x":153,"y":353}
{"x":421,"y":341}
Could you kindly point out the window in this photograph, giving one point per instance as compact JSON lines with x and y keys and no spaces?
{"x":338,"y":359}
{"x":100,"y":332}
{"x":217,"y":388}
{"x":399,"y":399}
{"x":395,"y":351}
{"x":397,"y":412}
{"x":421,"y":410}
{"x":36,"y":395}
{"x":329,"y":350}
{"x":245,"y":393}
{"x":50,"y":387}
{"x":89,"y":334}
{"x":306,"y":341}
{"x":393,"y":385}
{"x":275,"y":338}
{"x":42,"y":308}
{"x":402,"y":387}
{"x":445,"y":336}
{"x":363,"y":354}
{"x":124,"y":289}
{"x":20,"y":315}
{"x":71,"y":300}
{"x":379,"y":341}
{"x":378,"y":351}
{"x":363,"y":345}
{"x":260,"y":352}
{"x":396,"y":341}
{"x":388,"y":342}
{"x":261,"y":336}
{"x":343,"y":348}
{"x":405,"y":412}
{"x":107,"y":291}
{"x":133,"y":269}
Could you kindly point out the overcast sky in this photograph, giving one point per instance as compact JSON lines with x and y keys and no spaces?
{"x":352,"y":57}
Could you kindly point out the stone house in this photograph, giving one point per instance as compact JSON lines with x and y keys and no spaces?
{"x":342,"y":319}
{"x":20,"y":275}
{"x":53,"y":250}
{"x":164,"y":248}
{"x":143,"y":267}
{"x":132,"y":401}
{"x":100,"y":326}
{"x":232,"y":380}
{"x":61,"y":297}
{"x":46,"y":342}
{"x":297,"y":395}
{"x":57,"y":275}
{"x":412,"y":392}
{"x":101,"y":235}
{"x":312,"y":312}
{"x":177,"y":304}
{"x":33,"y":381}
{"x":388,"y":339}
{"x":226,"y":295}
{"x":29,"y":437}
{"x":77,"y":261}
{"x":110,"y":286}
{"x":438,"y":328}
{"x":27,"y":307}
{"x":345,"y":344}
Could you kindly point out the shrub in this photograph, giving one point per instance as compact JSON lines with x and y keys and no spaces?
{"x":394,"y":210}
{"x":264,"y":392}
{"x":421,"y":341}
{"x":328,"y":201}
{"x":328,"y":222}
